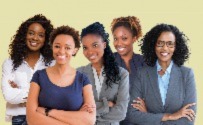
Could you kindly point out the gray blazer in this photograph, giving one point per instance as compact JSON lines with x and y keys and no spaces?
{"x":118,"y":93}
{"x":181,"y":91}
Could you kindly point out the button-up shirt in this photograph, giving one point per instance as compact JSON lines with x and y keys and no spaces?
{"x":163,"y":80}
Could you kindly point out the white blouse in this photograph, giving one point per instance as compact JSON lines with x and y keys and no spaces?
{"x":22,"y":77}
{"x":98,"y":80}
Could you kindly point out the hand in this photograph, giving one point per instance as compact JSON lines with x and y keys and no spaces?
{"x":23,"y":104}
{"x":139,"y":104}
{"x":13,"y":84}
{"x":88,"y":108}
{"x":41,"y":110}
{"x":111,"y":104}
{"x":184,"y":112}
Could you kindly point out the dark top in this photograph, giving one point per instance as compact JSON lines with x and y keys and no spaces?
{"x":69,"y":98}
{"x":136,"y":62}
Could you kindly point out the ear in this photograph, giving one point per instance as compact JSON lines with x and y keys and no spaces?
{"x":134,"y":39}
{"x":104,"y":44}
{"x":75,"y":51}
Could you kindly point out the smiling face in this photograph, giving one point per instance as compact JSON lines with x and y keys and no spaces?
{"x":165,"y":52}
{"x":35,"y":37}
{"x":123,"y":41}
{"x":63,"y":48}
{"x":93,"y":48}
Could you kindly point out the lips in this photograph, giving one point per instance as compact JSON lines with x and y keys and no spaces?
{"x":33,"y":44}
{"x":92,"y":57}
{"x":61,"y":57}
{"x":164,"y":54}
{"x":120,"y":49}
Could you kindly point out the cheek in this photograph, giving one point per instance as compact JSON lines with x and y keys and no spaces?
{"x":85,"y":53}
{"x":114,"y":44}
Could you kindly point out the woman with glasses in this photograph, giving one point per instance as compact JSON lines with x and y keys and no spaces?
{"x":164,"y":91}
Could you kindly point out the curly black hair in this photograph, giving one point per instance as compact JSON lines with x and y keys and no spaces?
{"x":18,"y":49}
{"x":181,"y":53}
{"x":111,"y":69}
{"x":66,"y":30}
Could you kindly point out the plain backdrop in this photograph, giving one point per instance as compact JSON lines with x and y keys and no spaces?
{"x":187,"y":15}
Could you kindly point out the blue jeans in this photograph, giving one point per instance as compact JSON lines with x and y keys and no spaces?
{"x":19,"y":120}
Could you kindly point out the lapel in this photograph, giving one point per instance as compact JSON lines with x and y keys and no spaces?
{"x":89,"y":72}
{"x":103,"y":89}
{"x":152,"y":73}
{"x":174,"y":84}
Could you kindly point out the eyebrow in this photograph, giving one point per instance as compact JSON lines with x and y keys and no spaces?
{"x":166,"y":41}
{"x":94,"y":42}
{"x":34,"y":31}
{"x":65,"y":44}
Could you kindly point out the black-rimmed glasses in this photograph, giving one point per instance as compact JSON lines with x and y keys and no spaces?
{"x":169,"y":44}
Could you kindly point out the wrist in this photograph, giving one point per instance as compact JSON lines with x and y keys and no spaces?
{"x":166,"y":117}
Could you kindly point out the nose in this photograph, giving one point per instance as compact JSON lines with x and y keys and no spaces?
{"x":117,"y":42}
{"x":62,"y":50}
{"x":35,"y":37}
{"x":89,"y":51}
{"x":165,"y":46}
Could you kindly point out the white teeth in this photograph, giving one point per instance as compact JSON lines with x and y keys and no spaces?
{"x":33,"y":43}
{"x":92,"y":57}
{"x":120,"y":48}
{"x":61,"y":57}
{"x":164,"y":54}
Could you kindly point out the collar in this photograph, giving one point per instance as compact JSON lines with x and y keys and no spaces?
{"x":168,"y":70}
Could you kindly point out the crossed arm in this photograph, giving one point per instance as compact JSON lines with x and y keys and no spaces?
{"x":36,"y":115}
{"x":138,"y":113}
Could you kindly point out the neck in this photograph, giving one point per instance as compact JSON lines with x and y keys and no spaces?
{"x":33,"y":55}
{"x":62,"y":69}
{"x":98,"y":66}
{"x":127,"y":57}
{"x":164,"y":65}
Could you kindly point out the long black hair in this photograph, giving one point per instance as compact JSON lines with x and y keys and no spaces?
{"x":111,"y":69}
{"x":18,"y":48}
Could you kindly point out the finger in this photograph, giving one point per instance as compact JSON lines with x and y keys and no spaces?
{"x":191,"y":113}
{"x":137,"y":106}
{"x":191,"y":116}
{"x":9,"y":81}
{"x":189,"y":105}
{"x":186,"y":116}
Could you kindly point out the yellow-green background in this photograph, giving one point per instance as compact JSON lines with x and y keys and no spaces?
{"x":185,"y":14}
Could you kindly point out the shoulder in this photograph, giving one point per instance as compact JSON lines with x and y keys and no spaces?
{"x":84,"y":69}
{"x":7,"y":65}
{"x":81,"y":69}
{"x":8,"y":61}
{"x":40,"y":72}
{"x":116,"y":54}
{"x":123,"y":71}
{"x":138,"y":58}
{"x":186,"y":71}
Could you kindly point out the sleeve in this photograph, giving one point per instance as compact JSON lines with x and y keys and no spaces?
{"x":118,"y":111}
{"x":35,"y":77}
{"x":11,"y":95}
{"x":190,"y":97}
{"x":102,"y":107}
{"x":134,"y":115}
{"x":85,"y":80}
